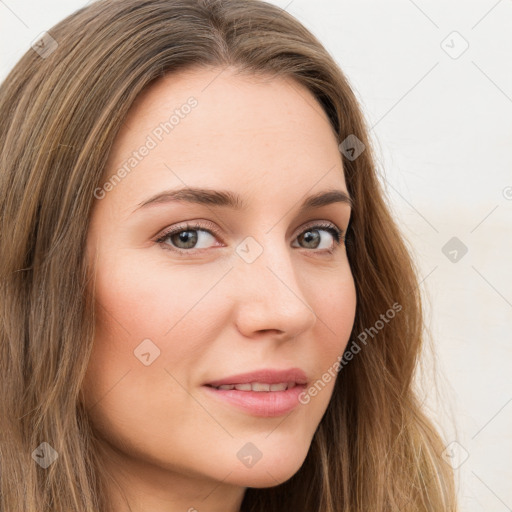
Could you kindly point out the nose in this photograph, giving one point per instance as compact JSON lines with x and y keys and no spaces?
{"x":268,"y":296}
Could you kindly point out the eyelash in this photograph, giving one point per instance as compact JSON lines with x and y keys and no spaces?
{"x":326,"y":226}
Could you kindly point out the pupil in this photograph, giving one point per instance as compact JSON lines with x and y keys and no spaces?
{"x":310,"y":237}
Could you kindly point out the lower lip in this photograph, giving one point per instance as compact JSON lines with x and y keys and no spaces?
{"x":265,"y":404}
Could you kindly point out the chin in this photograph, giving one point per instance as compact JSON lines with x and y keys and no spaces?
{"x":263,"y":479}
{"x":268,"y":473}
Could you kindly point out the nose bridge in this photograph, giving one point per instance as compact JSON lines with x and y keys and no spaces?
{"x":269,"y":295}
{"x":267,"y":260}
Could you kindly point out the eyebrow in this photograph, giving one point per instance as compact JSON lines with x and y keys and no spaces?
{"x":228,"y":199}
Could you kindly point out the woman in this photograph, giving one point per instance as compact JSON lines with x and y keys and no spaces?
{"x":206,"y":304}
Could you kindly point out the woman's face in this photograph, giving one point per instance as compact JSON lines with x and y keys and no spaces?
{"x":248,"y":287}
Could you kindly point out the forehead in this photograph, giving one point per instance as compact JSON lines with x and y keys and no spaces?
{"x":247,"y":132}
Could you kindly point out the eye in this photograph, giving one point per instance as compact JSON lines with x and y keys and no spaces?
{"x":312,"y":238}
{"x":184,"y":238}
{"x":189,"y":238}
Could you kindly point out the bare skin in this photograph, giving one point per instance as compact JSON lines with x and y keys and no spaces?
{"x":212,"y":312}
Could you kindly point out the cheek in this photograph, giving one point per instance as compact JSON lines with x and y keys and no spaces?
{"x":332,"y":297}
{"x":335,"y":308}
{"x":150,"y":309}
{"x":336,"y":302}
{"x":153,"y":323}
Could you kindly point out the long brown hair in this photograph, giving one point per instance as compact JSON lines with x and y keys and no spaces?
{"x":61,"y":108}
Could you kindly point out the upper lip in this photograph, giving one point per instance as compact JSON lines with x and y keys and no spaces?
{"x":265,"y":376}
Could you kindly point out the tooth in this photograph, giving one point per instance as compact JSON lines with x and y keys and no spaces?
{"x":278,"y":387}
{"x":257,"y":386}
{"x":243,"y":387}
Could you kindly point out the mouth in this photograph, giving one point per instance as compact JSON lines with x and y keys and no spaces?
{"x":262,"y":380}
{"x":258,"y":387}
{"x":265,"y":393}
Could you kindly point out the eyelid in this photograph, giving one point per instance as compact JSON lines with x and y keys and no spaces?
{"x":203,"y":225}
{"x":320,"y":223}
